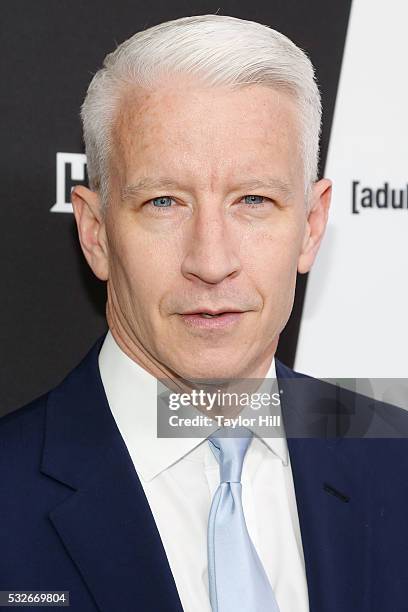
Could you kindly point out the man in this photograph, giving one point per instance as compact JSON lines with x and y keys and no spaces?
{"x":202,"y":139}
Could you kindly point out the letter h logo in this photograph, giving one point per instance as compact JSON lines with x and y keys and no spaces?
{"x":71,"y":171}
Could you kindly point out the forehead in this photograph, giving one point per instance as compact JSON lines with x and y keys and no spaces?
{"x":220,"y":132}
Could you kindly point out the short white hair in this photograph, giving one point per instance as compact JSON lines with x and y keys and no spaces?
{"x":222,"y":51}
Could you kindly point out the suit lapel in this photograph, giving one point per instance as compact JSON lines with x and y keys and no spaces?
{"x":332,"y":487}
{"x":106,"y":524}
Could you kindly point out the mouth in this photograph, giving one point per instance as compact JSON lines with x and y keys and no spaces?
{"x":212,"y":320}
{"x":208,"y":312}
{"x":208,"y":315}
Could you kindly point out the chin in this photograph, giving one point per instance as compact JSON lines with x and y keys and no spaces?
{"x":212,"y":371}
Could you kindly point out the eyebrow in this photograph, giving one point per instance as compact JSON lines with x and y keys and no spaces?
{"x":148,"y":183}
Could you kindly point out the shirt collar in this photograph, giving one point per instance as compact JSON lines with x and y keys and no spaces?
{"x":132,"y":396}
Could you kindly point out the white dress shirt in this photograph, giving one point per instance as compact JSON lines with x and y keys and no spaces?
{"x":180,"y":476}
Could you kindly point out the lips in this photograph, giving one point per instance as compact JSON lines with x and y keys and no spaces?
{"x":208,"y":315}
{"x":208,"y":312}
{"x":207,"y":321}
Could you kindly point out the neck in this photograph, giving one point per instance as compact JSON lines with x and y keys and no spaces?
{"x":247,"y":382}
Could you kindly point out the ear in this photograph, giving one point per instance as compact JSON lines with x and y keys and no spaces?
{"x":91,"y":229}
{"x":319,"y":204}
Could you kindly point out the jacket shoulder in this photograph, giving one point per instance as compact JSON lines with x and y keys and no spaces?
{"x":25,"y":417}
{"x":370,"y":416}
{"x":21,"y":434}
{"x":30,"y":410}
{"x":284,"y":371}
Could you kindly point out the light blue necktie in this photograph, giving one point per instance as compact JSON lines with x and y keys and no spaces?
{"x":237,"y":579}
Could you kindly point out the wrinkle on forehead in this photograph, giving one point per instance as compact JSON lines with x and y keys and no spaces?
{"x":139,"y":129}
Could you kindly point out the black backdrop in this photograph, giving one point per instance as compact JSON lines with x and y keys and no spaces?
{"x":52,"y":308}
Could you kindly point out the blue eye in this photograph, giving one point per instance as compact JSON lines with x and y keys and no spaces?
{"x":254,"y":199}
{"x":162,"y":201}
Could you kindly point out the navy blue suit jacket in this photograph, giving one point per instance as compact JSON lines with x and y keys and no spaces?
{"x":74,"y":517}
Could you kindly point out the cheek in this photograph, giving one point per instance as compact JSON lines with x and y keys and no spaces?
{"x":270,"y":258}
{"x":140,"y":264}
{"x":271,"y":253}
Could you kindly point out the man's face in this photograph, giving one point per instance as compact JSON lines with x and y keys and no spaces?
{"x":207,"y":213}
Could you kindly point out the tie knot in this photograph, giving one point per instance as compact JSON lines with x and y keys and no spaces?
{"x":229,"y":447}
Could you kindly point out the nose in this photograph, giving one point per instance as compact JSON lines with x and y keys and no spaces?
{"x":211,"y":253}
